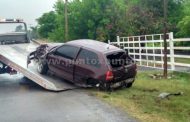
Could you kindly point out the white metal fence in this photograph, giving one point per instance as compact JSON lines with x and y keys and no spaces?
{"x":147,"y":50}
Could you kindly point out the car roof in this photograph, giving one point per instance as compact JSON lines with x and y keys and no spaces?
{"x":95,"y":45}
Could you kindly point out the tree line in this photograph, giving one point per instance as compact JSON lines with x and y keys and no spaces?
{"x":105,"y":19}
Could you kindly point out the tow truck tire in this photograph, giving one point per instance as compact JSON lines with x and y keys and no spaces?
{"x":42,"y":67}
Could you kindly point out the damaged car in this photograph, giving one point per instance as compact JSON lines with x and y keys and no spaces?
{"x":86,"y":63}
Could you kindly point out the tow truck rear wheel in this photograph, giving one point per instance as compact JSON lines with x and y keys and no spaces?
{"x":42,"y":67}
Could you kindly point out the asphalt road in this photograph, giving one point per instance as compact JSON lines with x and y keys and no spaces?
{"x":28,"y":102}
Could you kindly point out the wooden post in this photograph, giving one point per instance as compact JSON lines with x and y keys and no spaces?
{"x":165,"y":40}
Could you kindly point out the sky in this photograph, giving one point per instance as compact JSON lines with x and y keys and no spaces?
{"x":29,"y":10}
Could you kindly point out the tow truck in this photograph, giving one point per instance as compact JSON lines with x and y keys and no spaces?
{"x":14,"y":49}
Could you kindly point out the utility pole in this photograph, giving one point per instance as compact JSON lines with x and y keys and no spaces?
{"x":165,"y":40}
{"x":66,"y":21}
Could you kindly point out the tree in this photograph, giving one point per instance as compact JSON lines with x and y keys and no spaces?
{"x":34,"y":33}
{"x":19,"y":28}
{"x":105,"y":19}
{"x":46,"y":24}
{"x":184,"y":26}
{"x":184,"y":23}
{"x":146,"y":16}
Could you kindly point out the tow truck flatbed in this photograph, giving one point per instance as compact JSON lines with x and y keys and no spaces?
{"x":15,"y":56}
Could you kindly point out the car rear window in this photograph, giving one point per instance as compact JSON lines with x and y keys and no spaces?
{"x":90,"y":58}
{"x":118,"y":59}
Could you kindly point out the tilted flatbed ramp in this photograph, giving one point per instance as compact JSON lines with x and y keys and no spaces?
{"x":15,"y":56}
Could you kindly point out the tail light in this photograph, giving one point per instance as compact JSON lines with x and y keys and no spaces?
{"x":109,"y":75}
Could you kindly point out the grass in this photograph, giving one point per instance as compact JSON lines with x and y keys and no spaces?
{"x":141,"y":100}
{"x":182,"y":60}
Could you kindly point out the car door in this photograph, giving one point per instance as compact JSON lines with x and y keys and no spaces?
{"x":87,"y":67}
{"x":61,"y":62}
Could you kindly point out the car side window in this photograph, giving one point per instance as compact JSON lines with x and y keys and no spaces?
{"x":67,"y":51}
{"x":89,"y":58}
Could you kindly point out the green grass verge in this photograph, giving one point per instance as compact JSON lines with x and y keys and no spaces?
{"x":141,"y":100}
{"x":182,"y":60}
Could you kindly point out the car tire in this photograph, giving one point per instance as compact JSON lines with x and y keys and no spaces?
{"x":42,"y":67}
{"x":128,"y":85}
{"x":105,"y":86}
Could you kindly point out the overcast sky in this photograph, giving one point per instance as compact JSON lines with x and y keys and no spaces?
{"x":28,"y":10}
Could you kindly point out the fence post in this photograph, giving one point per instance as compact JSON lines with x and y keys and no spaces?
{"x":140,"y":51}
{"x":118,"y":41}
{"x":172,"y":58}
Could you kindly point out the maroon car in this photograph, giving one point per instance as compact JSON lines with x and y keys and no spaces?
{"x":87,"y":63}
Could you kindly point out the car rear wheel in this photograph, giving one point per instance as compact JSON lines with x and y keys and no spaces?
{"x":128,"y":85}
{"x":42,"y":67}
{"x":105,"y":86}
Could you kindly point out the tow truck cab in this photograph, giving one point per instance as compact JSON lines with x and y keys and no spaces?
{"x":13,"y":37}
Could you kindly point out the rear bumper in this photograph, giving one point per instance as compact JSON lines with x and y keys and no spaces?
{"x":122,"y":83}
{"x":129,"y":72}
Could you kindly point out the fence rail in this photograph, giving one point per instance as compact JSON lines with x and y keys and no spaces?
{"x":148,"y":50}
